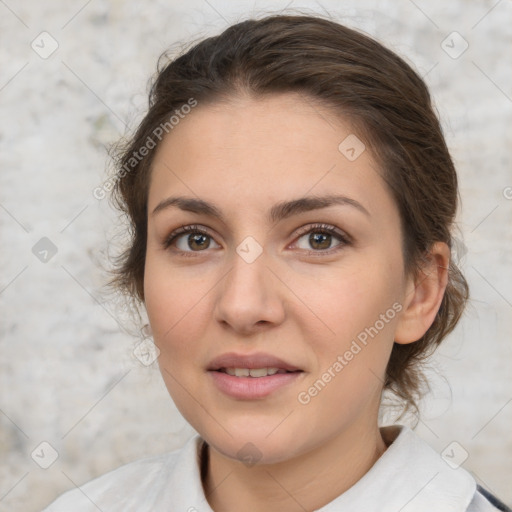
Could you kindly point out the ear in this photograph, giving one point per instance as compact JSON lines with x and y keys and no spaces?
{"x":423,"y":295}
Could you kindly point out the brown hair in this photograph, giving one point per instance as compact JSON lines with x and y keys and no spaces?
{"x":389,"y":106}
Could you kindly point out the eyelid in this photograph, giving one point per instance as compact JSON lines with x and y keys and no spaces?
{"x":333,"y":230}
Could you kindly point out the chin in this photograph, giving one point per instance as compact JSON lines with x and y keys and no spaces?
{"x":257,"y":452}
{"x":252,"y":444}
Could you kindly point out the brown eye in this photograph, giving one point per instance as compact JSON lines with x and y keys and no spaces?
{"x":322,"y":238}
{"x":197,"y":241}
{"x":189,"y":239}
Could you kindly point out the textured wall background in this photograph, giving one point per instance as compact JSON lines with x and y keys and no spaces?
{"x":68,"y":374}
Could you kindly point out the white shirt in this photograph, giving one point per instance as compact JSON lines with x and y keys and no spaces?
{"x":409,"y":476}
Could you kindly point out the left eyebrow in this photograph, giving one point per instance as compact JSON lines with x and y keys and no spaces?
{"x":279,"y":211}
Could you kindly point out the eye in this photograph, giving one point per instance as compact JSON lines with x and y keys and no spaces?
{"x":189,"y":239}
{"x":320,"y":237}
{"x":316,"y":239}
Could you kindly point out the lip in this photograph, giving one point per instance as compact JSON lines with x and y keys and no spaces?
{"x":257,"y":360}
{"x":251,"y":388}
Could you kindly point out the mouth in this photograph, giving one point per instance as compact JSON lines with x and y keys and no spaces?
{"x":255,"y":364}
{"x":254,"y":372}
{"x":251,"y":376}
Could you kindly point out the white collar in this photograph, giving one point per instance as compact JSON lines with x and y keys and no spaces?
{"x":409,"y":476}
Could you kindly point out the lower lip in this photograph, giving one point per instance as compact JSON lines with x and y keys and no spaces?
{"x":251,"y":388}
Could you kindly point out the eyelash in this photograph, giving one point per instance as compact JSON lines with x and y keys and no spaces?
{"x":343,"y":238}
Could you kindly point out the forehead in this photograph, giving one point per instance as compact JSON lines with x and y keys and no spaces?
{"x":251,"y":151}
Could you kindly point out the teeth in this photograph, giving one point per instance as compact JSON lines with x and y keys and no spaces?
{"x":258,"y":372}
{"x":253,"y":372}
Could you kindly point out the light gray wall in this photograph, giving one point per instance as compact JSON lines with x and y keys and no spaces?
{"x":68,"y":375}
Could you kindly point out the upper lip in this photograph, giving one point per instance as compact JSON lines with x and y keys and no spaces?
{"x":251,"y":361}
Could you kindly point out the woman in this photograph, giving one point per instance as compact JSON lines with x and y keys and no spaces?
{"x":291,"y":197}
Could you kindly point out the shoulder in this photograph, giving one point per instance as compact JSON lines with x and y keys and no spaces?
{"x":484,"y":501}
{"x":119,"y":489}
{"x":435,"y":482}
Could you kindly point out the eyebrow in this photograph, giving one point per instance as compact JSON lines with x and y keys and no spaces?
{"x":278,"y":212}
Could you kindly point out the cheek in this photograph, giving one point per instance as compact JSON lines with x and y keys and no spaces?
{"x":178,"y":315}
{"x":358,"y":313}
{"x":351,"y":362}
{"x":348,"y":303}
{"x":176,"y":306}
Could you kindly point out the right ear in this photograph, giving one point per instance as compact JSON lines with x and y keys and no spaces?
{"x":424,"y":295}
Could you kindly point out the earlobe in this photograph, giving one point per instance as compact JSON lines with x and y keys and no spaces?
{"x":423,"y":295}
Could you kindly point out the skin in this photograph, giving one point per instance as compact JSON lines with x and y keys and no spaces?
{"x":293,"y":301}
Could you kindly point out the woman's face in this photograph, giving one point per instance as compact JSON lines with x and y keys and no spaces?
{"x":262,"y":285}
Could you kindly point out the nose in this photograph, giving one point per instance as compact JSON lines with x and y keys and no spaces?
{"x":250,"y":296}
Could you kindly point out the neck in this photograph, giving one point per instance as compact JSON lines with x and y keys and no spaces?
{"x":306,"y":482}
